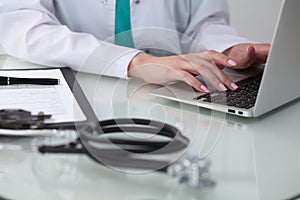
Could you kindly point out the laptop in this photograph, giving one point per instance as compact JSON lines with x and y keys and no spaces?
{"x":261,"y":88}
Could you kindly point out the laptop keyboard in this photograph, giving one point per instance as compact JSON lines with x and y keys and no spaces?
{"x":243,"y":97}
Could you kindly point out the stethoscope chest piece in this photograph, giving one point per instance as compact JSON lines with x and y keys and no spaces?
{"x":193,"y":172}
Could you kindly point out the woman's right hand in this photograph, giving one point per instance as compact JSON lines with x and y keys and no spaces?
{"x":207,"y":64}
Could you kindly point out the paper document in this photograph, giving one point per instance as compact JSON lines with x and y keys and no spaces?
{"x":56,"y":100}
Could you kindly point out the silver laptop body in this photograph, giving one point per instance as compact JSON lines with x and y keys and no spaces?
{"x":280,"y":82}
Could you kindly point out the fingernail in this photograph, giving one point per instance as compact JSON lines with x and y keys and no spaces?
{"x":232,"y":62}
{"x":234,"y":86}
{"x":204,"y":89}
{"x":222,"y":87}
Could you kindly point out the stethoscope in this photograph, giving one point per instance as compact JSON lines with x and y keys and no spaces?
{"x":94,"y":140}
{"x":114,"y":143}
{"x":125,"y":151}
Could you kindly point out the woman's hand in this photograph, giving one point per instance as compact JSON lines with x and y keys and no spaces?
{"x":172,"y":68}
{"x":247,"y":55}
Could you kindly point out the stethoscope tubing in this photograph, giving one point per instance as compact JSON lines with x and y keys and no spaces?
{"x":125,"y":153}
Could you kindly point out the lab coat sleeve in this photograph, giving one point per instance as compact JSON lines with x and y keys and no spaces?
{"x":209,"y":26}
{"x":31,"y":32}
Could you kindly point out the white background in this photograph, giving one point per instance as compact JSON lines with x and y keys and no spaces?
{"x":254,"y":19}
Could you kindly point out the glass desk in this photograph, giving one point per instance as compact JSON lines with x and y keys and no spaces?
{"x":250,"y":158}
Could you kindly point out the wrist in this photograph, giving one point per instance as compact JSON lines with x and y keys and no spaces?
{"x":138,"y":60}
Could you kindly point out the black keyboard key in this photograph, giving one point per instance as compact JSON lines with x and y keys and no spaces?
{"x":243,"y":97}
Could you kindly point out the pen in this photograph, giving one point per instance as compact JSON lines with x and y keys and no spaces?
{"x":4,"y":80}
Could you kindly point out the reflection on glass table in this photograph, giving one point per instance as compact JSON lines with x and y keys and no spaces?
{"x":250,"y":158}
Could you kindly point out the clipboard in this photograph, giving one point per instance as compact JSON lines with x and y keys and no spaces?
{"x":78,"y":95}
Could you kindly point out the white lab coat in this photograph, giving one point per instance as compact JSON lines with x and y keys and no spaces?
{"x":80,"y":34}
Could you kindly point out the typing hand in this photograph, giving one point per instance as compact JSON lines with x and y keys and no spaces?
{"x":247,"y":55}
{"x":172,"y":68}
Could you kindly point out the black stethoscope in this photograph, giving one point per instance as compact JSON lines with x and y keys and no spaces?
{"x":128,"y":152}
{"x":114,"y":143}
{"x":125,"y":151}
{"x":98,"y":141}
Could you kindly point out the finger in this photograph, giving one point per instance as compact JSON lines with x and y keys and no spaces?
{"x":224,"y":79}
{"x":250,"y":51}
{"x":251,"y":56}
{"x":210,"y":72}
{"x":262,"y":51}
{"x":219,"y":58}
{"x":216,"y":76}
{"x":219,"y":80}
{"x":248,"y":58}
{"x":213,"y":80}
{"x":192,"y":81}
{"x":228,"y":82}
